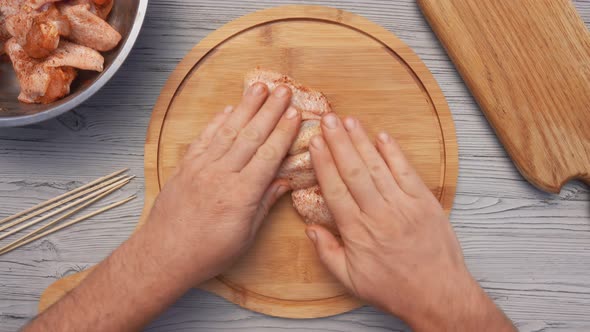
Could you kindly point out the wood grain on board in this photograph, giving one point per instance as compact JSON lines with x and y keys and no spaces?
{"x":364,"y":70}
{"x":527,"y":63}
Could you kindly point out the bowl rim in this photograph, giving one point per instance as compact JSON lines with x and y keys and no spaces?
{"x":29,"y":119}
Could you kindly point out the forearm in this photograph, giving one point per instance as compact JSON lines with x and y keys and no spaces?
{"x":470,"y":310}
{"x":125,"y":292}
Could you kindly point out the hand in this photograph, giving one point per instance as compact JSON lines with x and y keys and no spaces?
{"x":205,"y":217}
{"x":213,"y":205}
{"x":398,"y":250}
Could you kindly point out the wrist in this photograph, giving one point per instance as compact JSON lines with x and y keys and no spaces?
{"x":167,"y":255}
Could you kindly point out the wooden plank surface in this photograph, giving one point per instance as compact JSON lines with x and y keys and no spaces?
{"x":526,"y":64}
{"x":529,"y":249}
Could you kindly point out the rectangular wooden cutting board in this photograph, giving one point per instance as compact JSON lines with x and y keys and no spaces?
{"x":527,"y":62}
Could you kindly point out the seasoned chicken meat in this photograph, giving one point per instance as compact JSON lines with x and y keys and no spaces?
{"x":39,"y":84}
{"x":311,"y":206}
{"x":311,"y":104}
{"x":47,"y":41}
{"x":12,"y":7}
{"x":101,"y":8}
{"x":297,"y":169}
{"x":36,"y":4}
{"x":88,"y":29}
{"x":44,"y":81}
{"x":38,"y":32}
{"x":4,"y":35}
{"x":77,"y":56}
{"x":308,"y":130}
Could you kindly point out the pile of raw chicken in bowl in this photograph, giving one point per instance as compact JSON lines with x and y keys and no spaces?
{"x":54,"y":54}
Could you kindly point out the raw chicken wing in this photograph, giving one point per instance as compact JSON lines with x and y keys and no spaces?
{"x":12,"y":7}
{"x":310,"y":204}
{"x":311,"y":104}
{"x":88,"y":29}
{"x":38,"y":32}
{"x":308,"y":130}
{"x":4,"y":35}
{"x":38,"y":84}
{"x":49,"y":80}
{"x":48,"y":40}
{"x":102,"y":8}
{"x":297,"y":169}
{"x":36,"y":4}
{"x":77,"y":56}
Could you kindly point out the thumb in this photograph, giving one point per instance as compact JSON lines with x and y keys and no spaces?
{"x":275,"y":191}
{"x":331,"y":252}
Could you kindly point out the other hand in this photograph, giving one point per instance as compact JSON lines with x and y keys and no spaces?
{"x":398,"y":250}
{"x":213,"y":205}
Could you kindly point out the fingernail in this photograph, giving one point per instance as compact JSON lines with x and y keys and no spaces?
{"x":228,"y":109}
{"x":281,"y":91}
{"x":291,"y":113}
{"x":331,"y":121}
{"x":311,"y":234}
{"x":349,"y":123}
{"x":257,"y":89}
{"x":317,"y":142}
{"x":383,"y":137}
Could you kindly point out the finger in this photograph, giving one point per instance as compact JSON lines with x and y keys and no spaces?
{"x":257,"y":131}
{"x":339,"y":200}
{"x":405,"y":175}
{"x":377,"y":167}
{"x":200,"y":145}
{"x":253,"y":99}
{"x":351,"y":167}
{"x":276,"y":190}
{"x":265,"y":163}
{"x":330,"y":252}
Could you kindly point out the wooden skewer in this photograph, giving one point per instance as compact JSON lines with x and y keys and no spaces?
{"x":40,"y":205}
{"x":75,"y":221}
{"x":117,"y":185}
{"x":61,"y":202}
{"x":60,"y":218}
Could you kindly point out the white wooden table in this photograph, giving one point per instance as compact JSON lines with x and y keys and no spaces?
{"x":530,"y":250}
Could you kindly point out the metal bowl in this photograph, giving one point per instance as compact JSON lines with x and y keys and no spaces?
{"x":127,"y":17}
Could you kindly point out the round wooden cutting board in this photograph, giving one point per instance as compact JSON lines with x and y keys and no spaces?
{"x":364,"y":70}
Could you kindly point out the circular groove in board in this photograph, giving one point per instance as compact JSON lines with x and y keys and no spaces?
{"x":364,"y":70}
